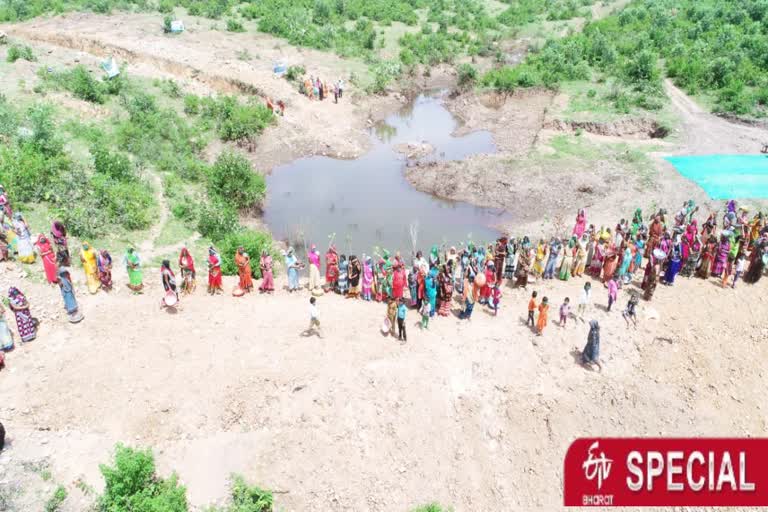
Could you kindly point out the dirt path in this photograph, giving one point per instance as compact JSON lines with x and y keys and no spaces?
{"x":705,"y":133}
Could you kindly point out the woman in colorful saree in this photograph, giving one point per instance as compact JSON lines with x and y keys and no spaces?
{"x":215,"y":285}
{"x":169,"y":283}
{"x":59,"y":235}
{"x":331,"y":268}
{"x":675,"y":262}
{"x":267,"y":278}
{"x":90,"y":267}
{"x":446,"y":291}
{"x":355,"y":270}
{"x":367,"y":277}
{"x":581,"y":223}
{"x":567,"y":263}
{"x":68,"y":294}
{"x":187,"y":266}
{"x":243,"y":262}
{"x":133,"y":266}
{"x":48,"y":258}
{"x":104,"y":264}
{"x":5,"y":204}
{"x":25,"y":322}
{"x":292,"y":267}
{"x":23,"y":239}
{"x":343,"y":275}
{"x":314,"y":268}
{"x":722,"y":254}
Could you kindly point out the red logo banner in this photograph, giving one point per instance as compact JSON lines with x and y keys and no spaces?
{"x":638,"y":472}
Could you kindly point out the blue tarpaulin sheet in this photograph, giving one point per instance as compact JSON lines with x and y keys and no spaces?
{"x":726,"y":176}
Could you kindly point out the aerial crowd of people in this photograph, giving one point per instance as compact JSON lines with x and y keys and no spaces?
{"x":660,"y":248}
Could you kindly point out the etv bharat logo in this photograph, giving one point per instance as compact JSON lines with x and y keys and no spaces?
{"x":596,"y":467}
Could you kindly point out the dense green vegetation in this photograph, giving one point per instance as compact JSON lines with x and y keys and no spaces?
{"x":706,"y":46}
{"x":521,"y":12}
{"x":82,"y":84}
{"x":108,"y":192}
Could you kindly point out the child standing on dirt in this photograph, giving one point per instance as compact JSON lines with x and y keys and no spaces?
{"x":586,"y":297}
{"x":565,"y":310}
{"x":314,"y":319}
{"x":541,"y":323}
{"x":630,"y":313}
{"x":425,"y":310}
{"x":741,"y":264}
{"x":531,"y":309}
{"x":495,"y":299}
{"x":401,"y":312}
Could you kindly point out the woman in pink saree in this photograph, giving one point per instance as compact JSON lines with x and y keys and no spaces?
{"x":581,"y":223}
{"x":267,"y":278}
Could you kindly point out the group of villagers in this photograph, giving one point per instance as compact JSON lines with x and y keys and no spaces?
{"x":316,"y":89}
{"x":658,"y":248}
{"x":728,"y":247}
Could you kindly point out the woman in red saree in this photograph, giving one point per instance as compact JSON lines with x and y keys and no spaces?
{"x":398,"y":280}
{"x":654,"y":235}
{"x":331,"y":268}
{"x":265,"y":265}
{"x":490,"y":281}
{"x":610,"y":263}
{"x":49,"y":259}
{"x":214,"y":272}
{"x":187,"y":266}
{"x":243,"y":262}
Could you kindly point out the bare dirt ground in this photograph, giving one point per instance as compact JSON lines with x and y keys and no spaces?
{"x":477,"y":415}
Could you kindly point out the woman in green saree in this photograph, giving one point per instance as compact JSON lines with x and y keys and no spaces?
{"x":133,"y":266}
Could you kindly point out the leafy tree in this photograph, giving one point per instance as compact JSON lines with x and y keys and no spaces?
{"x":233,"y":179}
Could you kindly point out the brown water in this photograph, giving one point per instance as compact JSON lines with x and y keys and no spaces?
{"x":366,"y":204}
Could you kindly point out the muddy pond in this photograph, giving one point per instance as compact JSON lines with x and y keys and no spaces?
{"x":365,"y":204}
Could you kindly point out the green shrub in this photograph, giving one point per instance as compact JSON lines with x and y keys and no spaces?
{"x":467,"y":75}
{"x":113,"y":165}
{"x":79,"y":82}
{"x":295,"y":73}
{"x":132,"y":485}
{"x":43,"y":135}
{"x":233,"y":179}
{"x":234,"y":25}
{"x":17,"y":51}
{"x":216,"y":219}
{"x":245,"y":121}
{"x":191,"y":104}
{"x":167,"y":21}
{"x":253,"y":242}
{"x":27,"y":172}
{"x":431,"y":507}
{"x":56,"y":499}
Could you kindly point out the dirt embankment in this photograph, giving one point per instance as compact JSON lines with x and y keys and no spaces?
{"x":640,"y":128}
